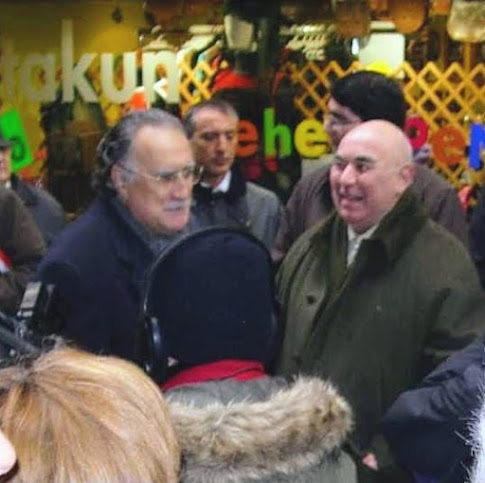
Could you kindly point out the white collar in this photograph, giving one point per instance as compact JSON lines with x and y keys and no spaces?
{"x":223,"y":186}
{"x":355,"y":239}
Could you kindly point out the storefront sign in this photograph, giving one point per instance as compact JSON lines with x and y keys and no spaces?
{"x":74,"y":74}
{"x":311,"y":141}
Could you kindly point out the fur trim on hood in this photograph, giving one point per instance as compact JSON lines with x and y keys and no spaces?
{"x":293,"y":429}
{"x":478,"y":440}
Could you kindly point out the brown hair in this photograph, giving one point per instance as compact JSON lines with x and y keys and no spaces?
{"x":77,"y":417}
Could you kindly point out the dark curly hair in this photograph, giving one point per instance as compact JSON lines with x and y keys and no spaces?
{"x":116,"y":144}
{"x":371,"y":95}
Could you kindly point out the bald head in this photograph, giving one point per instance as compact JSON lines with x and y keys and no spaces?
{"x":391,"y":141}
{"x":373,"y":167}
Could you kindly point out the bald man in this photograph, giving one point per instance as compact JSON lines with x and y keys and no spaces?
{"x":377,"y":295}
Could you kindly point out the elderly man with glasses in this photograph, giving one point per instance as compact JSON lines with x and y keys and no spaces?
{"x":144,"y":181}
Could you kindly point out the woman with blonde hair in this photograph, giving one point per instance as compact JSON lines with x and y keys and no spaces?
{"x":77,"y":417}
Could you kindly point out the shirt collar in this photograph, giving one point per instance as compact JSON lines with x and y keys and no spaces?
{"x":355,"y":239}
{"x":222,"y":187}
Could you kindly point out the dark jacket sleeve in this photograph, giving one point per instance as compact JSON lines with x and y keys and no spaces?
{"x":307,"y":205}
{"x":477,"y":237}
{"x":441,"y":202}
{"x":23,"y":243}
{"x":428,"y":427}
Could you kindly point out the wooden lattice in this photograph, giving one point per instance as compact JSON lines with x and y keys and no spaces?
{"x":451,"y":97}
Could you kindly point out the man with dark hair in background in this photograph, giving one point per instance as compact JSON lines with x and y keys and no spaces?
{"x":356,"y":98}
{"x":144,"y":181}
{"x":223,"y":197}
{"x":21,"y":249}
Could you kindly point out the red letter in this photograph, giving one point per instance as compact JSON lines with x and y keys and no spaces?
{"x":247,"y":139}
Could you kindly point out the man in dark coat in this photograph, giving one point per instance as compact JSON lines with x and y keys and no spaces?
{"x":356,"y":98}
{"x":377,"y":295}
{"x":44,"y":208}
{"x":144,"y":179}
{"x":223,"y":197}
{"x":21,"y":248}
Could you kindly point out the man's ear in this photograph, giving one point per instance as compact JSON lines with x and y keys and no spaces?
{"x":119,"y":182}
{"x":407,"y":173}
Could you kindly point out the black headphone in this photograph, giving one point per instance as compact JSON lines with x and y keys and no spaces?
{"x":152,"y":345}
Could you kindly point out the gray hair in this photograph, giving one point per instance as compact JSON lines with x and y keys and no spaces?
{"x":116,"y":144}
{"x":212,"y":104}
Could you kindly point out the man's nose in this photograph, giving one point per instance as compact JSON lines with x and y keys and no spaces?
{"x":348,"y":175}
{"x":222,"y":141}
{"x":182,"y":187}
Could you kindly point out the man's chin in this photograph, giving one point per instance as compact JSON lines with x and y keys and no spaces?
{"x":176,"y":224}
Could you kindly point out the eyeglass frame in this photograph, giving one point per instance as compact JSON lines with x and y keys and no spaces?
{"x":169,"y":177}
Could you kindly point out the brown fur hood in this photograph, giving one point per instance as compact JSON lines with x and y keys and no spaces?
{"x":292,"y":428}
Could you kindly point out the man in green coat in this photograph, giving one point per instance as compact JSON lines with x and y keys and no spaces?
{"x":377,"y":295}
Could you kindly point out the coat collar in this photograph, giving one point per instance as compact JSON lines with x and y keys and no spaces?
{"x":290,"y":431}
{"x":395,"y":231}
{"x":237,"y":189}
{"x":225,"y":369}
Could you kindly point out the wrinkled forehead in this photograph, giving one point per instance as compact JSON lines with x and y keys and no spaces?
{"x":365,"y":144}
{"x":161,"y":146}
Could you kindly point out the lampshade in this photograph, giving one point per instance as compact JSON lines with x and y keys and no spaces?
{"x":466,"y":22}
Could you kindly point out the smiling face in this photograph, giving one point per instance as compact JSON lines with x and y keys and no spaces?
{"x":214,"y":143}
{"x":162,"y":207}
{"x":371,"y":171}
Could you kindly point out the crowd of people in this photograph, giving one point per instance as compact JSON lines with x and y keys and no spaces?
{"x":337,"y":339}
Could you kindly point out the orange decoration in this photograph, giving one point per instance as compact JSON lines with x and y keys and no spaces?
{"x":352,"y":18}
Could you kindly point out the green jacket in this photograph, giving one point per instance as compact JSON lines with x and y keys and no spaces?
{"x":410,"y":298}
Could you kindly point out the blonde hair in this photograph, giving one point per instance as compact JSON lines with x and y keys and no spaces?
{"x":76,"y":417}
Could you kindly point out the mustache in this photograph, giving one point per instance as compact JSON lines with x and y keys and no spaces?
{"x":176,"y":205}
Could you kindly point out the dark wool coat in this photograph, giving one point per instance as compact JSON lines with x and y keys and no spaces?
{"x":22,"y":242}
{"x":429,"y":428}
{"x":477,"y":236}
{"x":410,"y":299}
{"x":264,"y":430}
{"x":311,"y":203}
{"x":44,"y":208}
{"x":98,"y":264}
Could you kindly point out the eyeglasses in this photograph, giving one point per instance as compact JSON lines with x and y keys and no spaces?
{"x":191,"y":172}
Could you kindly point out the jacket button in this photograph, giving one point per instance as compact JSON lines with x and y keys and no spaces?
{"x":311,"y":299}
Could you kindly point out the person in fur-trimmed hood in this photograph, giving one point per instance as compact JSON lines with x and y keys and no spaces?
{"x":234,"y":422}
